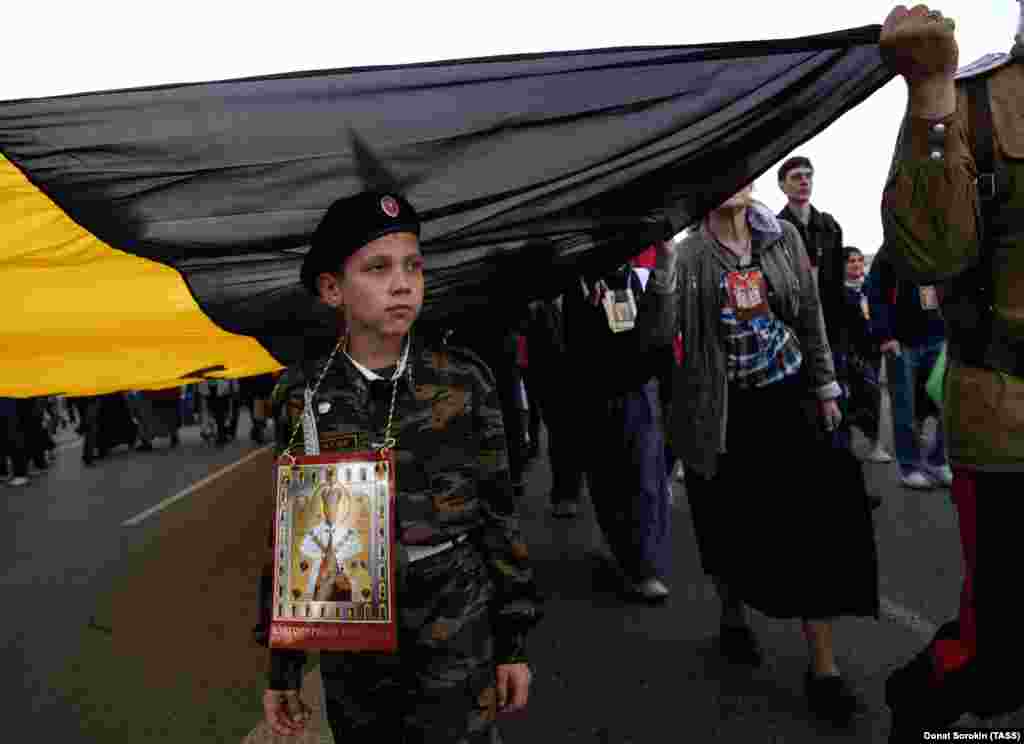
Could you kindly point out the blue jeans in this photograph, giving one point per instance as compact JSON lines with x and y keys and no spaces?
{"x":903,"y":371}
{"x":628,"y":481}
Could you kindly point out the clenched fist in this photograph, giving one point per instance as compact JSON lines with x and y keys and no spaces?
{"x":919,"y":44}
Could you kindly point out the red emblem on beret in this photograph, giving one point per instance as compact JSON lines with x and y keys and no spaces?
{"x":389,"y":205}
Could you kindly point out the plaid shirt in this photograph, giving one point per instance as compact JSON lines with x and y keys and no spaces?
{"x":758,"y":351}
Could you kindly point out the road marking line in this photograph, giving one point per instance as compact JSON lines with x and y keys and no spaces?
{"x":138,"y":518}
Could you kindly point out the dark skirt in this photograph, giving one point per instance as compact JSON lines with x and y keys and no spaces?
{"x":786,"y":521}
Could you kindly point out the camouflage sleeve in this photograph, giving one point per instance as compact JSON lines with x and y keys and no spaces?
{"x":929,"y":206}
{"x":517,"y":606}
{"x":285,"y":666}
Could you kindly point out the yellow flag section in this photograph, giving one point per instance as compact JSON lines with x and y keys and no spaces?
{"x":78,"y":317}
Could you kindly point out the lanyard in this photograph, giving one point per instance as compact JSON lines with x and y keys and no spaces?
{"x":308,"y":419}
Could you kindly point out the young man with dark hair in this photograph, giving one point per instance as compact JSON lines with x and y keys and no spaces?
{"x":823,"y":239}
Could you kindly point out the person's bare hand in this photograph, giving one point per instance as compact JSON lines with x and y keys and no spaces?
{"x":597,"y":292}
{"x":831,"y":416}
{"x":285,"y":712}
{"x":892,"y":346}
{"x":919,"y":44}
{"x":513,"y":687}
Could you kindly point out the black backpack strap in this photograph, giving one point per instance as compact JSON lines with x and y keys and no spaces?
{"x":984,"y":350}
{"x":983,"y":140}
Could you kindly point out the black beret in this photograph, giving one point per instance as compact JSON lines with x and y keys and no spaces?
{"x":795,"y":162}
{"x":351,"y":223}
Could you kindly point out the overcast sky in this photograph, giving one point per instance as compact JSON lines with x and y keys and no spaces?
{"x":53,"y":48}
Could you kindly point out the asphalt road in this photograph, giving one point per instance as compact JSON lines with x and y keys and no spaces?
{"x":124,"y":624}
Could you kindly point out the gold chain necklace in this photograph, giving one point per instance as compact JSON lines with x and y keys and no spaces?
{"x":389,"y":441}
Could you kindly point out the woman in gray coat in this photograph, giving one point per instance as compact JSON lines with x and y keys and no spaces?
{"x":782,"y":517}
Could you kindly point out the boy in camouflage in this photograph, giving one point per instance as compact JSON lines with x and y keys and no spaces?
{"x":465,"y":591}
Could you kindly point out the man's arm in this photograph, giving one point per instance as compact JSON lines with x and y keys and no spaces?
{"x":880,"y":291}
{"x":832,"y":289}
{"x":929,"y":205}
{"x":810,"y":324}
{"x":658,"y":311}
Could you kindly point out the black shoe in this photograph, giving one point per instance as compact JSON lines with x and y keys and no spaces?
{"x":144,"y":447}
{"x":918,"y":702}
{"x":739,"y":645}
{"x":88,"y":462}
{"x":565,"y":509}
{"x":830,"y":698}
{"x":175,"y":441}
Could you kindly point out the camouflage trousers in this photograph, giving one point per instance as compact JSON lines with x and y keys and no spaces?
{"x":440,"y":686}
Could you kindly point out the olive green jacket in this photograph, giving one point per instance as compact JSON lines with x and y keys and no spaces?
{"x":929,"y":213}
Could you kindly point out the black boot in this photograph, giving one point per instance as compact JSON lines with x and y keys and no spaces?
{"x":739,"y":645}
{"x":830,"y":698}
{"x":917,"y":701}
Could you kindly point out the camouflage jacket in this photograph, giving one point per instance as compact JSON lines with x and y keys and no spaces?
{"x":451,"y":462}
{"x":929,"y":212}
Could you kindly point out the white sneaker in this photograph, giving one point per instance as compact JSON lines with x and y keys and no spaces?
{"x":680,"y":472}
{"x":878,"y":454}
{"x":917,"y":479}
{"x":943,"y":475}
{"x":19,"y":481}
{"x":652,"y":590}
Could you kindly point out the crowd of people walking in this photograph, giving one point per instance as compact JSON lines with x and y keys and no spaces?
{"x":136,"y":419}
{"x":739,"y":358}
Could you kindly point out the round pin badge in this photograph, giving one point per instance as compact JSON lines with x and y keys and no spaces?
{"x":389,"y":205}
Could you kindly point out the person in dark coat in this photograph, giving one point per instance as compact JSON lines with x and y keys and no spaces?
{"x":548,"y":393}
{"x":863,"y":360}
{"x":909,"y":325}
{"x":618,"y":438}
{"x":12,"y":445}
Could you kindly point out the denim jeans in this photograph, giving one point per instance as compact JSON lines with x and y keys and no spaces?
{"x":902,"y":372}
{"x":628,"y":481}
